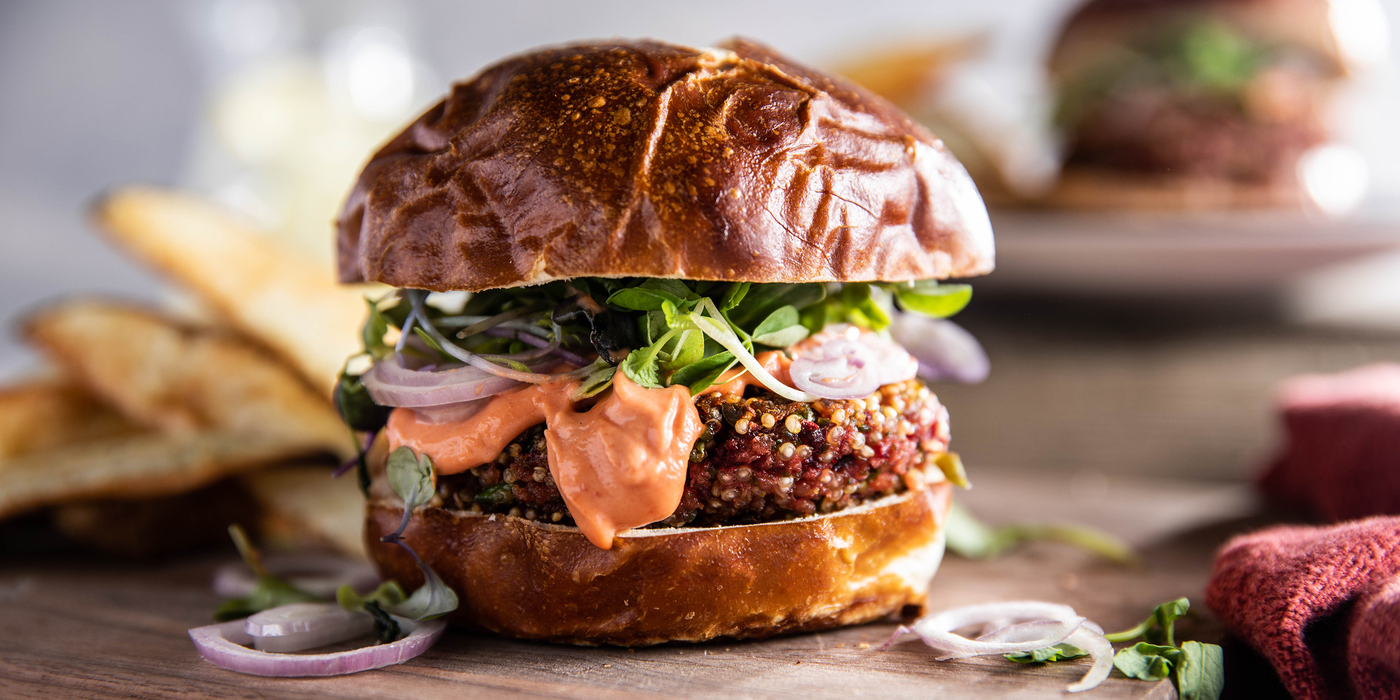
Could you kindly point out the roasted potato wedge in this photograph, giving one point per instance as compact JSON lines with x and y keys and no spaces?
{"x":182,"y":379}
{"x":46,"y":413}
{"x":265,"y":288}
{"x":140,"y":466}
{"x":303,"y":506}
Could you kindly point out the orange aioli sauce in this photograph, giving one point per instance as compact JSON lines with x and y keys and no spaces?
{"x":620,"y":465}
{"x":736,"y":380}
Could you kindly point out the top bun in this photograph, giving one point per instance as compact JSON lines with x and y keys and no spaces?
{"x":646,"y":159}
{"x":1306,"y":24}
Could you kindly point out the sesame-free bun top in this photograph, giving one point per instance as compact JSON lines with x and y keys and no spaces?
{"x":620,"y":159}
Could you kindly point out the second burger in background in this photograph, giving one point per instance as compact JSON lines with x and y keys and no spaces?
{"x":1173,"y":104}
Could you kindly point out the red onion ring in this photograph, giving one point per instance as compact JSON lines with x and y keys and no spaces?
{"x":841,"y":368}
{"x":1049,"y":624}
{"x":391,"y":385}
{"x":300,"y":626}
{"x":224,"y":645}
{"x":944,"y":350}
{"x":1089,"y":637}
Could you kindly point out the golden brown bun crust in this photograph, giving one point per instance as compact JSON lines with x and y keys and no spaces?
{"x":1301,"y":23}
{"x":526,"y":579}
{"x":655,"y":160}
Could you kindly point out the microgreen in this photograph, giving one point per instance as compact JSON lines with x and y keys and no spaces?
{"x":269,"y":592}
{"x":1146,"y":662}
{"x":356,"y":408}
{"x":411,"y":477}
{"x":386,"y":628}
{"x":930,"y":298}
{"x":659,"y":332}
{"x":414,"y":480}
{"x":781,"y":328}
{"x":1197,"y":669}
{"x":969,"y":537}
{"x":1200,"y":673}
{"x":1158,"y":628}
{"x":1059,"y":652}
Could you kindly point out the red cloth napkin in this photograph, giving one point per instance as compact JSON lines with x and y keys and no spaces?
{"x":1322,"y":604}
{"x":1342,"y":457}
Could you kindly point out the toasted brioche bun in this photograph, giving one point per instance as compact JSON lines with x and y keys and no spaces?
{"x":538,"y":581}
{"x":649,"y":159}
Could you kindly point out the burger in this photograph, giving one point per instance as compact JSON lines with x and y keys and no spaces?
{"x":1199,"y":103}
{"x":641,"y":377}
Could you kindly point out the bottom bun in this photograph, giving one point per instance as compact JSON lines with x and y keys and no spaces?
{"x":540,"y":581}
{"x":1100,"y":188}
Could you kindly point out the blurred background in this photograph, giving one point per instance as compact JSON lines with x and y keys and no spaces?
{"x":1124,"y":336}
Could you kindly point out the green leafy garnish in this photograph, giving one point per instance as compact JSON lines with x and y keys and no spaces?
{"x":1200,"y":673}
{"x":269,"y":592}
{"x":414,"y":480}
{"x":386,"y":628}
{"x":432,"y":599}
{"x":952,"y":467}
{"x":643,"y":367}
{"x":1059,"y":652}
{"x":356,"y":408}
{"x":862,"y":308}
{"x":411,"y":477}
{"x":660,"y":332}
{"x":700,"y":375}
{"x":782,"y":328}
{"x":387,"y":595}
{"x":930,"y":298}
{"x":497,"y":495}
{"x":969,"y":537}
{"x":1158,"y":627}
{"x":733,"y":295}
{"x":1197,"y":669}
{"x":1146,"y":662}
{"x":598,"y":380}
{"x":1216,"y":57}
{"x":372,"y":335}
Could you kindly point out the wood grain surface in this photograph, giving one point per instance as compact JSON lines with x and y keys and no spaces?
{"x":108,"y":629}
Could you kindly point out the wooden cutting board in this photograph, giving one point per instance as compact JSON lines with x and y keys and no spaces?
{"x":81,"y":628}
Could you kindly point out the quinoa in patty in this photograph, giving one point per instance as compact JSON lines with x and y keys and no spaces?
{"x":760,"y":458}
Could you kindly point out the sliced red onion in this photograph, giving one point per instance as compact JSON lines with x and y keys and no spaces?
{"x":844,"y":362}
{"x":302,"y":626}
{"x":893,"y":363}
{"x":467,"y":356}
{"x":1047,"y":624}
{"x":391,"y":385}
{"x":840,"y":368}
{"x":1036,"y":631}
{"x":319,"y":575}
{"x":451,"y":413}
{"x":225,"y":645}
{"x":944,"y":350}
{"x":1089,"y":637}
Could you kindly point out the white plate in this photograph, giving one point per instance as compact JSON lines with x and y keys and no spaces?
{"x":1172,"y":254}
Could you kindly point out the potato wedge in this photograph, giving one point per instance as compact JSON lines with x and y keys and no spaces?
{"x":267,"y":289}
{"x":303,"y":506}
{"x":182,"y":379}
{"x":43,"y":414}
{"x":139,"y":466}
